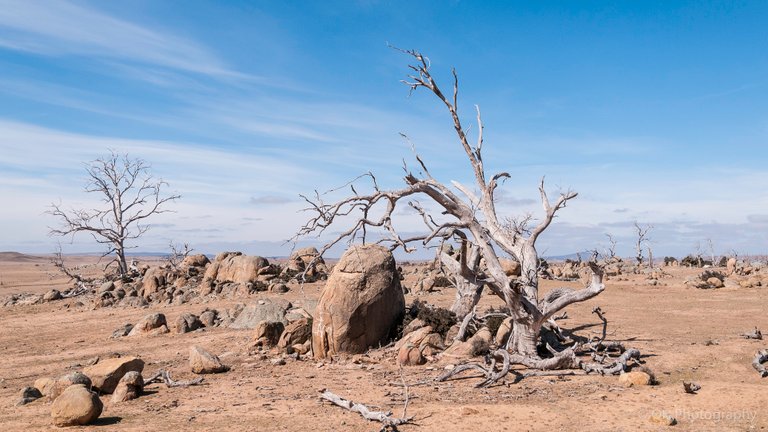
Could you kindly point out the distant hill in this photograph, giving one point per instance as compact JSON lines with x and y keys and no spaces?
{"x":20,"y":257}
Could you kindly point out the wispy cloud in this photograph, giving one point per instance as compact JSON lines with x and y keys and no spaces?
{"x":57,"y":27}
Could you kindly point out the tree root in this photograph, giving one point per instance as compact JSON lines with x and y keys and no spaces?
{"x":760,"y":358}
{"x":491,"y":376}
{"x":385,"y":418}
{"x":165,"y":377}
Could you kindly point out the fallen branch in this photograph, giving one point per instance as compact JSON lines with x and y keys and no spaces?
{"x":754,"y":334}
{"x":620,"y":365}
{"x":163,"y":376}
{"x":383,"y":417}
{"x":760,"y":358}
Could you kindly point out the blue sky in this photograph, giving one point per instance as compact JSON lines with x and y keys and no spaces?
{"x":652,"y":111}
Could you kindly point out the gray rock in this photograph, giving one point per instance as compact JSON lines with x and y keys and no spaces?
{"x":29,"y":394}
{"x":263,"y":310}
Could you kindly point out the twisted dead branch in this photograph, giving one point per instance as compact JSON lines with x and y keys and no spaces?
{"x":384,"y":417}
{"x":163,"y":376}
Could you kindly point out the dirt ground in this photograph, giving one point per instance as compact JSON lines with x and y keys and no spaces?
{"x":670,"y":324}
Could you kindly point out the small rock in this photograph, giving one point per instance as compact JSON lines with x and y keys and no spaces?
{"x":123,"y":330}
{"x":76,"y":406}
{"x":106,"y":287}
{"x":691,"y":387}
{"x":663,"y":419}
{"x":151,"y":324}
{"x":131,"y":386}
{"x":52,"y":295}
{"x":630,"y":379}
{"x":187,"y":322}
{"x":203,"y":362}
{"x":279,"y":288}
{"x":409,"y":355}
{"x":29,"y":394}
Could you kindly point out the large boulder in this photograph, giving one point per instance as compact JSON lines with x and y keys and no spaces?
{"x":234,"y":267}
{"x":361,"y":302}
{"x":76,"y":406}
{"x":262,"y":310}
{"x":65,"y":381}
{"x":107,"y":373}
{"x":197,"y":260}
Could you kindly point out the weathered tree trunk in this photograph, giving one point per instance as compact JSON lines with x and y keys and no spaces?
{"x":467,"y":296}
{"x":524,"y":337}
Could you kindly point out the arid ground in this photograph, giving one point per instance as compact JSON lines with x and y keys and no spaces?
{"x":684,"y":333}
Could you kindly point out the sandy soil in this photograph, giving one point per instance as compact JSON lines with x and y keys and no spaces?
{"x":669,"y":323}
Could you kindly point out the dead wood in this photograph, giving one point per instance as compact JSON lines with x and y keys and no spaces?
{"x":760,"y":358}
{"x":383,"y":417}
{"x":618,"y":366}
{"x":754,"y":334}
{"x":163,"y":376}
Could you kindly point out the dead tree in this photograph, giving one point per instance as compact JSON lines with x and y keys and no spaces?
{"x":130,"y":195}
{"x":642,"y":238}
{"x":470,"y":219}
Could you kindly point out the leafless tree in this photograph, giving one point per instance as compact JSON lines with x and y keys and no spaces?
{"x":130,"y":195}
{"x":642,"y":238}
{"x":610,"y":253}
{"x":177,"y":254}
{"x":470,"y":220}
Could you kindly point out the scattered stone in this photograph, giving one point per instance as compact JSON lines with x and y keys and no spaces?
{"x":410,"y":355}
{"x":29,"y":394}
{"x":151,"y":324}
{"x":691,"y":387}
{"x":479,"y":343}
{"x":268,"y":332}
{"x":187,"y":322}
{"x":67,"y":380}
{"x":52,"y":295}
{"x":203,"y":362}
{"x":106,"y":287}
{"x":663,"y":419}
{"x":279,"y":288}
{"x":122,"y":331}
{"x":76,"y":406}
{"x":634,"y":379}
{"x":106,"y":374}
{"x":296,"y":333}
{"x":715,"y":282}
{"x":360,"y":304}
{"x":131,"y":386}
{"x":209,"y":318}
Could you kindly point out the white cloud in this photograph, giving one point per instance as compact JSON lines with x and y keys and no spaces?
{"x":57,"y":27}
